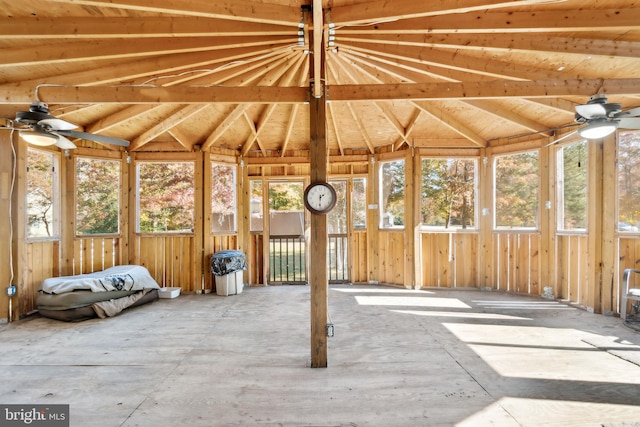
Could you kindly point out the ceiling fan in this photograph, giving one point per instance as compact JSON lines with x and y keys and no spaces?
{"x":602,"y":118}
{"x":38,"y":127}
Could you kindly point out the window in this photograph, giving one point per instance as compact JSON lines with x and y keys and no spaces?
{"x":628,"y":182}
{"x":165,"y":197}
{"x":572,"y":186}
{"x":359,"y":203}
{"x":97,"y":196}
{"x":43,"y":218}
{"x":392,"y":194}
{"x":223,"y":198}
{"x":516,"y":185}
{"x":448,"y":193}
{"x":256,"y":206}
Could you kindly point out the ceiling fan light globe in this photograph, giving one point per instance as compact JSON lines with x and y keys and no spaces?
{"x":42,"y":139}
{"x":598,"y":129}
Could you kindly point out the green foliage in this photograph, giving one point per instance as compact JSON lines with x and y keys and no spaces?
{"x":223,"y":197}
{"x":573,"y":178}
{"x":448,"y":192}
{"x":286,"y":196}
{"x":628,"y":182}
{"x":166,"y":194}
{"x":516,"y":190}
{"x":40,"y":193}
{"x":392,"y":179}
{"x":97,"y":196}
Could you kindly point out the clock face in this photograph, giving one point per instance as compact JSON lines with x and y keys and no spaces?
{"x":320,"y":197}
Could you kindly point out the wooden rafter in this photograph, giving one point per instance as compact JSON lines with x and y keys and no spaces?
{"x":236,"y":10}
{"x":66,"y":27}
{"x":577,"y":20}
{"x":177,"y":117}
{"x":451,"y":122}
{"x":64,"y":52}
{"x":376,"y":11}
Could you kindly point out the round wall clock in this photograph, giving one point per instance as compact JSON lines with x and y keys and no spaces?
{"x":319,"y":198}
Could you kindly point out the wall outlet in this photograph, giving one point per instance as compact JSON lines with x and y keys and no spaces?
{"x":11,"y":290}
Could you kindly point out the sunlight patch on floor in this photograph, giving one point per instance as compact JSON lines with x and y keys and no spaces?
{"x":462,"y":315}
{"x":410,"y":301}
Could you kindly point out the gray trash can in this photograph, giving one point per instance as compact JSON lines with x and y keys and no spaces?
{"x":227,"y":268}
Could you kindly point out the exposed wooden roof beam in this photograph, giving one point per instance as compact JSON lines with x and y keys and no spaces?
{"x":381,"y":10}
{"x":409,"y":129}
{"x":457,"y":61}
{"x":113,"y":49}
{"x":237,"y":10}
{"x":495,"y":89}
{"x":500,"y":112}
{"x":447,"y":119}
{"x":173,"y":120}
{"x":224,"y":125}
{"x":67,"y":27}
{"x":487,"y":89}
{"x":505,"y":42}
{"x":318,"y":47}
{"x":124,"y":115}
{"x":587,"y":20}
{"x":334,"y":126}
{"x":180,"y":137}
{"x":361,"y":127}
{"x":302,"y":79}
{"x":164,"y":65}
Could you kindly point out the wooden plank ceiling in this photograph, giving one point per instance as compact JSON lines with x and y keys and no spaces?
{"x":201,"y":74}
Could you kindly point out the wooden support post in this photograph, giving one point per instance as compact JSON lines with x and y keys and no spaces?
{"x":318,"y":154}
{"x":594,"y":233}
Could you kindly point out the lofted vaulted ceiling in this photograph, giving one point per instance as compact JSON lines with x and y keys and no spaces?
{"x":200,"y":74}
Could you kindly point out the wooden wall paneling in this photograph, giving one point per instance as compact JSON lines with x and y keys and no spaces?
{"x":411,"y":215}
{"x":122,"y":255}
{"x":68,"y":223}
{"x":610,"y":291}
{"x":444,"y":251}
{"x":359,"y":253}
{"x":373,"y":221}
{"x":564,"y":246}
{"x":133,"y":253}
{"x":545,"y":245}
{"x":466,"y":260}
{"x":536,"y":265}
{"x":243,"y":213}
{"x":19,"y":217}
{"x":594,"y":232}
{"x":486,"y":248}
{"x":522,"y":267}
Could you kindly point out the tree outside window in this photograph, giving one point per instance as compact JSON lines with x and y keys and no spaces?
{"x":256,"y":206}
{"x":392,"y":194}
{"x":448,"y":193}
{"x":359,"y":203}
{"x":628,"y":182}
{"x":572,"y":186}
{"x":223,"y":198}
{"x":42,"y":194}
{"x":97,"y":196}
{"x":516,"y":184}
{"x":166,"y":197}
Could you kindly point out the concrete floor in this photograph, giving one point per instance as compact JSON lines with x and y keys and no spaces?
{"x":398,"y":358}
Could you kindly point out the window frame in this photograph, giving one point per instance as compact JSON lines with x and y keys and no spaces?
{"x":495,"y":227}
{"x":234,"y":169}
{"x":381,"y":206}
{"x":75,"y":196}
{"x":559,"y":190}
{"x":476,"y":199}
{"x":137,"y":199}
{"x":56,"y":197}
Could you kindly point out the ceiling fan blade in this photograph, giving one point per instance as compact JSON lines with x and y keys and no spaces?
{"x":94,"y":137}
{"x":629,"y":123}
{"x":57,"y":124}
{"x":64,"y":143}
{"x":563,"y":137}
{"x":590,"y":111}
{"x":634,"y":112}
